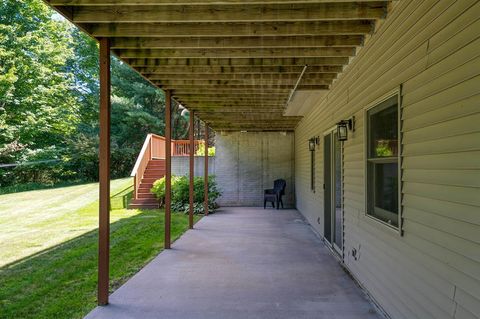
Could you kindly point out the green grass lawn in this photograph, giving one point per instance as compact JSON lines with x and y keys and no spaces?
{"x":48,"y":248}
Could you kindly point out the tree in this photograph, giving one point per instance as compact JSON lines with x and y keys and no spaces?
{"x":37,"y":111}
{"x":49,"y":94}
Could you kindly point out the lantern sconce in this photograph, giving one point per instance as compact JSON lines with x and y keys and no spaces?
{"x":344,"y":126}
{"x":312,"y":142}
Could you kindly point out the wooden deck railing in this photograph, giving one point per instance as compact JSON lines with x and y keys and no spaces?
{"x":182,"y":147}
{"x":154,"y":148}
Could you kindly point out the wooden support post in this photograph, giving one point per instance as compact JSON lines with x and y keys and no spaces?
{"x":104,"y":174}
{"x":168,"y":165}
{"x":206,"y":170}
{"x":192,"y":159}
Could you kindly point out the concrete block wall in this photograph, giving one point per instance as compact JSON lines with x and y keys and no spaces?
{"x":181,"y":166}
{"x":248,"y":163}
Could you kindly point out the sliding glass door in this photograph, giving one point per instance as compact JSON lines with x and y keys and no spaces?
{"x":333,"y":195}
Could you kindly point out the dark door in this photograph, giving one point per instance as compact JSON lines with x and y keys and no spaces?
{"x":337,"y":196}
{"x":327,"y":180}
{"x":333,"y":194}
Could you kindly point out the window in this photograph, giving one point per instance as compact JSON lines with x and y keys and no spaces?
{"x":383,"y":162}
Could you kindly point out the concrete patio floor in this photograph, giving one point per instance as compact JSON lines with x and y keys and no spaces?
{"x":242,"y":263}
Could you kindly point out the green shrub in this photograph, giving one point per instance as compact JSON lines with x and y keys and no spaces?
{"x":181,"y":191}
{"x":201,"y":150}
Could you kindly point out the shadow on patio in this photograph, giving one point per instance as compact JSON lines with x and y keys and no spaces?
{"x":242,"y":263}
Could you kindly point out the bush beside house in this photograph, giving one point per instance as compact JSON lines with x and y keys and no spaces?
{"x":180,"y":193}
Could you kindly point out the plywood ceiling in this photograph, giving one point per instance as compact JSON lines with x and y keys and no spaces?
{"x":233,"y":62}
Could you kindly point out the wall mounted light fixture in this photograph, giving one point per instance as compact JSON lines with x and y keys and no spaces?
{"x":312,"y":142}
{"x":344,"y":126}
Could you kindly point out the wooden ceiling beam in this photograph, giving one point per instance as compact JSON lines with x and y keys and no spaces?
{"x":251,"y":127}
{"x":230,"y":100}
{"x":179,"y":2}
{"x":235,"y":76}
{"x":238,"y":42}
{"x":195,"y":98}
{"x":246,"y":82}
{"x":228,"y":93}
{"x":249,"y":114}
{"x":237,"y":53}
{"x":251,"y":117}
{"x":230,"y":13}
{"x":225,"y":110}
{"x":239,"y":70}
{"x":245,"y":105}
{"x":199,"y":104}
{"x":252,"y":88}
{"x":262,"y":62}
{"x":202,"y":29}
{"x":227,"y":130}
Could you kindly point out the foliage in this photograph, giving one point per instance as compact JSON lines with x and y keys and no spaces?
{"x":49,"y":92}
{"x":201,"y":150}
{"x":181,"y":191}
{"x":58,"y":278}
{"x":383,"y":148}
{"x":158,"y":188}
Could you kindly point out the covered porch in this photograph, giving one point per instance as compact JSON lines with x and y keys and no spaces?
{"x":368,"y":107}
{"x":242,"y":263}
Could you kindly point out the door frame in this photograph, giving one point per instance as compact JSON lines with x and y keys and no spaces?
{"x":330,"y":133}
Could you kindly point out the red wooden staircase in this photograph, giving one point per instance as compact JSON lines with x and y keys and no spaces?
{"x":150,"y":166}
{"x":154,"y":170}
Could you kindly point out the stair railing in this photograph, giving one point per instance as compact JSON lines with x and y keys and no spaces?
{"x":154,"y":148}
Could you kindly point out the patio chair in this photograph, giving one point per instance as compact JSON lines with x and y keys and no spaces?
{"x":274,"y":195}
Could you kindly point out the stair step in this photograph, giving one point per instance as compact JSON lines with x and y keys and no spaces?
{"x":153,"y":177}
{"x":144,"y":201}
{"x":148,"y":180}
{"x":154,"y":174}
{"x":156,"y":164}
{"x":144,"y":206}
{"x":155,"y":169}
{"x":145,"y":196}
{"x":144,"y":191}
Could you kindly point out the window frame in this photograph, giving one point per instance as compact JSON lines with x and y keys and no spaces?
{"x":393,"y":159}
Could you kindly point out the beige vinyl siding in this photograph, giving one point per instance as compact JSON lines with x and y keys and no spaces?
{"x":431,"y":49}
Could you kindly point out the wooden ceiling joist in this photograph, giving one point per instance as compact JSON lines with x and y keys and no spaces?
{"x":248,"y":82}
{"x":237,"y":76}
{"x":238,"y":42}
{"x":238,"y":70}
{"x":235,"y":93}
{"x":234,"y":62}
{"x":234,"y":29}
{"x":252,"y":87}
{"x":73,"y":3}
{"x":227,"y":110}
{"x":230,"y":100}
{"x":317,"y":61}
{"x":237,"y":53}
{"x":231,"y":13}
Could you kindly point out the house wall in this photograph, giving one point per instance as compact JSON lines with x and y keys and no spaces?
{"x":248,"y":163}
{"x":431,"y":49}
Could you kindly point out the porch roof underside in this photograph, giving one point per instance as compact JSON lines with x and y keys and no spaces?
{"x":235,"y":63}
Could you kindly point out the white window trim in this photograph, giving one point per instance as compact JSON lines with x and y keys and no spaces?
{"x":392,"y":93}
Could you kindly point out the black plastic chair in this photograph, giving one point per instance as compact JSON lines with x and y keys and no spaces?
{"x":274,"y":195}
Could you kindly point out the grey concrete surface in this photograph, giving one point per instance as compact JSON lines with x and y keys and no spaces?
{"x":242,"y":263}
{"x":248,"y":163}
